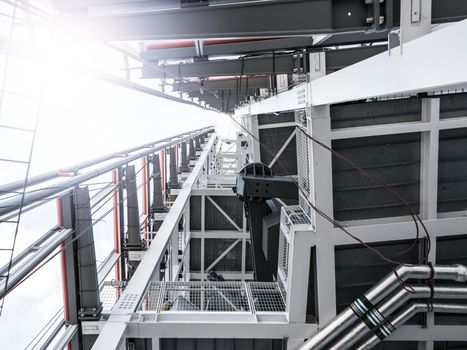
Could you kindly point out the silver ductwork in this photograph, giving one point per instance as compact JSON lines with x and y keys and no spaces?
{"x":406,"y":315}
{"x":381,"y":290}
{"x":376,"y":316}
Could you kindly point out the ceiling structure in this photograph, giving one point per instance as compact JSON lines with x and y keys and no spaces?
{"x":226,"y":53}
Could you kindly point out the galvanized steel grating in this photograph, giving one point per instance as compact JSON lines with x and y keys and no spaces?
{"x":109,"y":294}
{"x":195,"y":296}
{"x":267,"y":297}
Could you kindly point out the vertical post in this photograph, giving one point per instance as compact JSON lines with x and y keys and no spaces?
{"x":297,"y":281}
{"x":121,"y":219}
{"x":163,"y":172}
{"x":116,"y":228}
{"x":184,"y":159}
{"x":174,"y":254}
{"x":429,"y":182}
{"x":320,"y":127}
{"x":173,"y":182}
{"x":415,"y":19}
{"x":133,"y":242}
{"x":255,"y":132}
{"x":145,"y":200}
{"x":203,"y":230}
{"x":66,"y":307}
{"x":415,"y":22}
{"x":186,"y":267}
{"x":244,"y":224}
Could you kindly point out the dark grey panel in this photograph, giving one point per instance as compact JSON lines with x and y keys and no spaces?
{"x":375,"y":113}
{"x":232,"y":260}
{"x":453,"y":106}
{"x":195,"y":213}
{"x":452,"y":345}
{"x":215,"y":247}
{"x":271,"y":141}
{"x":452,"y":170}
{"x":264,"y":119}
{"x":214,"y":218}
{"x":395,"y":159}
{"x":451,"y":250}
{"x":358,"y":269}
{"x":396,"y":345}
{"x":220,"y":344}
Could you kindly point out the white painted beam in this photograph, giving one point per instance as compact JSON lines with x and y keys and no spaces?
{"x":433,"y":62}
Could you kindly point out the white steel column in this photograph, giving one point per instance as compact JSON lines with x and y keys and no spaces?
{"x":297,"y":280}
{"x":255,"y":132}
{"x":322,"y":187}
{"x":429,"y":184}
{"x":415,"y":19}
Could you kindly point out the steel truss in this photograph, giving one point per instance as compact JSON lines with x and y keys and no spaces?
{"x":315,"y":98}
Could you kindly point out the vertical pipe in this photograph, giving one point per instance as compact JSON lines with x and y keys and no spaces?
{"x":121,"y":219}
{"x":173,"y":181}
{"x":145,"y":200}
{"x":116,"y":229}
{"x":184,"y":160}
{"x":163,"y":173}
{"x":192,"y":155}
{"x":66,"y":306}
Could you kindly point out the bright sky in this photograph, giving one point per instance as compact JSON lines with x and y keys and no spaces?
{"x":79,"y":119}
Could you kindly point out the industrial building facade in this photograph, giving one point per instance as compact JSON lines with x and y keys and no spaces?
{"x":335,"y":219}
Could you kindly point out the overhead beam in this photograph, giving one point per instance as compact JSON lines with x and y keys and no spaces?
{"x":277,"y":64}
{"x":224,"y":84}
{"x":246,"y":19}
{"x":265,"y":45}
{"x":242,"y":47}
{"x":254,"y":19}
{"x":418,"y":67}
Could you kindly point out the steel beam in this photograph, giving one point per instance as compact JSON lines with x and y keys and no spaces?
{"x":234,"y":20}
{"x":267,"y":64}
{"x":416,"y":75}
{"x":109,"y":21}
{"x":223,"y":84}
{"x":242,"y":47}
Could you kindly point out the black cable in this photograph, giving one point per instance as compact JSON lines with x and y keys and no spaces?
{"x":392,"y":262}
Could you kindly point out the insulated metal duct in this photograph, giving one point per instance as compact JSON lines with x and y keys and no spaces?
{"x":379,"y":292}
{"x":406,"y":315}
{"x":377,"y":315}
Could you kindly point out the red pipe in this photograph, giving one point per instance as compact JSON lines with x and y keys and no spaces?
{"x":66,"y":304}
{"x":116,"y":230}
{"x":145,"y":200}
{"x":163,"y":170}
{"x":189,"y":43}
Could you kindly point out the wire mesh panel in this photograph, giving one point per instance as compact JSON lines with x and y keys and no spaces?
{"x":283,"y":258}
{"x":267,"y":297}
{"x":197,"y":296}
{"x":304,"y":163}
{"x":290,"y":216}
{"x":109,"y":294}
{"x":293,"y":215}
{"x":151,"y":300}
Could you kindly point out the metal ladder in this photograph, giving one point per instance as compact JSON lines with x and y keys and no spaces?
{"x":20,"y":136}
